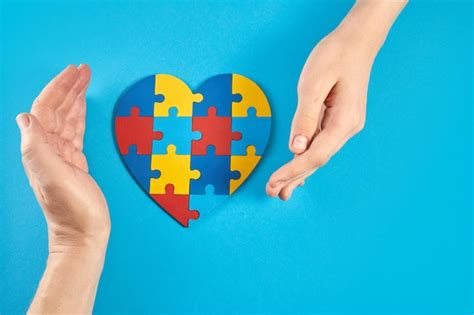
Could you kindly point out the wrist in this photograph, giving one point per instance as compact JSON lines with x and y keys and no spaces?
{"x":367,"y":25}
{"x":78,"y":243}
{"x":78,"y":238}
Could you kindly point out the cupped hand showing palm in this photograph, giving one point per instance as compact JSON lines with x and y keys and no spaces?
{"x":51,"y":144}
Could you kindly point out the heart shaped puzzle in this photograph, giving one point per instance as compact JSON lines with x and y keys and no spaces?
{"x":188,"y":151}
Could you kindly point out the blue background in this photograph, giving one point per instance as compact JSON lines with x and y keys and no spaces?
{"x":385,"y":227}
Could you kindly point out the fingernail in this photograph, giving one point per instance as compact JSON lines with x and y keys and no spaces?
{"x":300,"y":142}
{"x":23,"y":121}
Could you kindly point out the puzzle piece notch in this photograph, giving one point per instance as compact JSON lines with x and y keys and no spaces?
{"x":206,"y":202}
{"x":140,"y":94}
{"x":217,"y":92}
{"x":255,"y":131}
{"x":176,"y":94}
{"x":140,"y":167}
{"x":214,"y":170}
{"x":176,"y":205}
{"x":175,"y":169}
{"x":177,"y":131}
{"x":135,"y":130}
{"x":244,"y":164}
{"x":216,"y":131}
{"x":251,"y":96}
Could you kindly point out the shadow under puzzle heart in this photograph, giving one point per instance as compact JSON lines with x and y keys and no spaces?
{"x":187,"y":150}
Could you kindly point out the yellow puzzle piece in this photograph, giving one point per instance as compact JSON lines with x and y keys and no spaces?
{"x":244,"y":164}
{"x":176,"y":94}
{"x":252,"y":96}
{"x":175,"y":169}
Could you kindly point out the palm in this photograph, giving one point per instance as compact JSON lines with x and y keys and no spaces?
{"x":60,"y":109}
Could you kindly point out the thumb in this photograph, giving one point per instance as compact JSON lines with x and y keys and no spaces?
{"x":38,"y":156}
{"x":307,"y":117}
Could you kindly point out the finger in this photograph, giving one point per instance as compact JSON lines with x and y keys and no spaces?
{"x":53,"y":95}
{"x":73,"y":121}
{"x":274,"y":190}
{"x":323,"y":147}
{"x":64,"y":128}
{"x":287,"y":191}
{"x":307,"y":116}
{"x":39,"y":158}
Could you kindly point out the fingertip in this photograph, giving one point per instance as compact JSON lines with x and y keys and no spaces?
{"x":84,"y":78}
{"x":296,"y":151}
{"x":274,"y":181}
{"x":70,"y":68}
{"x":23,"y":121}
{"x":269,"y":190}
{"x":273,"y":184}
{"x":299,"y":144}
{"x":70,"y":73}
{"x":85,"y":69}
{"x":285,"y":196}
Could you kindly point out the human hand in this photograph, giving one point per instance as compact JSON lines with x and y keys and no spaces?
{"x":52,"y":134}
{"x":75,"y":209}
{"x":332,"y":93}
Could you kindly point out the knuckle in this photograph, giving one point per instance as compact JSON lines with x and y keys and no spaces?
{"x":305,"y":122}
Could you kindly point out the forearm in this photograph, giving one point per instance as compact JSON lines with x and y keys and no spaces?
{"x":369,"y":22}
{"x":69,"y":283}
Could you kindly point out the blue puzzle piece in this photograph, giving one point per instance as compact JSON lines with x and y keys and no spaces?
{"x":140,"y":167}
{"x":205,"y":203}
{"x":176,"y":131}
{"x":255,"y":131}
{"x":142,"y":95}
{"x":215,"y":171}
{"x":217,"y":92}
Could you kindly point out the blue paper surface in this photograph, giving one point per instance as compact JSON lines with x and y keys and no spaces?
{"x":385,"y":227}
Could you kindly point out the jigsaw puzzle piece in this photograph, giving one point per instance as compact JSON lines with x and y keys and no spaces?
{"x":141,"y":95}
{"x":217,"y":92}
{"x":135,"y":130}
{"x":206,"y":202}
{"x":215,"y":171}
{"x":244,"y":164}
{"x":176,"y":205}
{"x":251,"y":97}
{"x":177,"y":131}
{"x":140,"y":167}
{"x":254,"y":130}
{"x":176,"y":94}
{"x":175,"y":169}
{"x":216,"y":131}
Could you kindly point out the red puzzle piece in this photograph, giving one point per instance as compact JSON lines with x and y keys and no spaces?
{"x":135,"y":130}
{"x":176,"y":205}
{"x":216,"y":131}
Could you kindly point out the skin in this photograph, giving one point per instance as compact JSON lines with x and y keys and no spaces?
{"x":332,"y":94}
{"x":73,"y":205}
